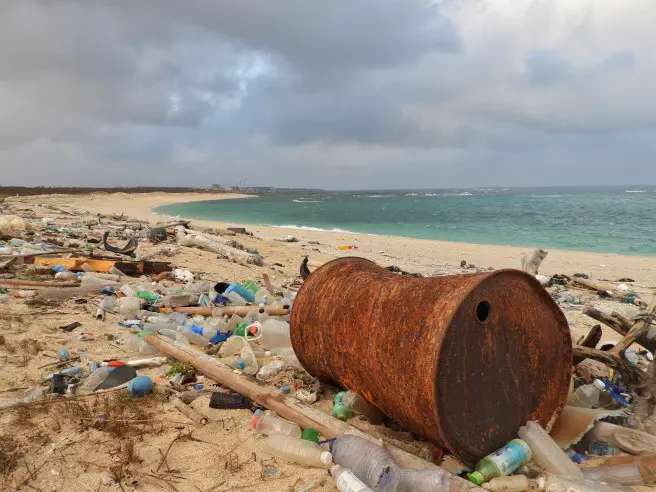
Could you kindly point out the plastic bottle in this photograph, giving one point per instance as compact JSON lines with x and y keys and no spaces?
{"x":147,"y":296}
{"x":347,"y":481}
{"x":236,"y":299}
{"x":546,"y":452}
{"x":66,"y":275}
{"x":128,"y":307}
{"x":515,"y":483}
{"x":424,"y":480}
{"x":198,"y":288}
{"x":94,"y":380}
{"x":374,"y":465}
{"x":554,"y":483}
{"x":127,"y":291}
{"x":630,"y":440}
{"x":242,"y":291}
{"x":272,"y":424}
{"x":89,"y":280}
{"x":271,"y":369}
{"x":192,"y":334}
{"x":359,"y":405}
{"x":502,"y":462}
{"x":296,"y":450}
{"x":275,"y":334}
{"x":586,"y":396}
{"x":623,"y":475}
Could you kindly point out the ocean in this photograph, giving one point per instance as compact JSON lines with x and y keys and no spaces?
{"x":600,"y":219}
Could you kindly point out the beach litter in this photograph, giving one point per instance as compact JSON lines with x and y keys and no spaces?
{"x":390,"y":381}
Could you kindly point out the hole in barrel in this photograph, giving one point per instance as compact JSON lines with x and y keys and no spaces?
{"x":483,"y":311}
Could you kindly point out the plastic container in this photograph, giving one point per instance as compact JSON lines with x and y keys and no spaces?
{"x":424,"y":480}
{"x":554,"y":483}
{"x":242,"y":291}
{"x":623,"y":475}
{"x":546,"y":452}
{"x":374,"y":465}
{"x":66,"y":275}
{"x":272,"y":424}
{"x":296,"y":450}
{"x":127,"y":291}
{"x":147,"y":296}
{"x":347,"y":481}
{"x":94,"y":380}
{"x":236,"y":299}
{"x":269,"y":370}
{"x":359,"y":405}
{"x":586,"y":396}
{"x":275,"y":334}
{"x":194,"y":335}
{"x":515,"y":483}
{"x":128,"y":307}
{"x":629,"y":440}
{"x":502,"y":462}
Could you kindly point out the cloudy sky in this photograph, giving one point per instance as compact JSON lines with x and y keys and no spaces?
{"x":338,"y":94}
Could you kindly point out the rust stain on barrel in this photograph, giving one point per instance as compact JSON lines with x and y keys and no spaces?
{"x":462,"y":360}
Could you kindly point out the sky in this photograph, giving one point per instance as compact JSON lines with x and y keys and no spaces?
{"x":337,"y":95}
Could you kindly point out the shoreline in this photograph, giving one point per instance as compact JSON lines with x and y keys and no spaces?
{"x":337,"y":230}
{"x":426,"y":256}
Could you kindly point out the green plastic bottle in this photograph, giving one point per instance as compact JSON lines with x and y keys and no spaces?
{"x":340,"y":411}
{"x":502,"y":462}
{"x":150,"y":297}
{"x":252,"y":286}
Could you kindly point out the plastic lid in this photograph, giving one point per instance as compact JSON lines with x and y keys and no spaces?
{"x":254,"y":421}
{"x":476,"y":478}
{"x":599,"y":384}
{"x":326,"y":458}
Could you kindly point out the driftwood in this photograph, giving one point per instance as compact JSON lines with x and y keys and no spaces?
{"x":632,"y":376}
{"x":198,"y":240}
{"x":36,"y":283}
{"x":291,"y":409}
{"x":162,"y":250}
{"x":590,"y":340}
{"x":531,"y":263}
{"x":622,"y":326}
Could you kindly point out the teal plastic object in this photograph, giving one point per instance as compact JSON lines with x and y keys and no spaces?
{"x":339,"y":411}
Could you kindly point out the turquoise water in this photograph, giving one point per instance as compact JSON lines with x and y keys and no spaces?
{"x":610,"y":220}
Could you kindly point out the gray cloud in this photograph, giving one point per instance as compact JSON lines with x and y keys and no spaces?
{"x":337,"y":94}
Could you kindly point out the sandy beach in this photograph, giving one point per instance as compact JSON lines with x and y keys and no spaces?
{"x":30,"y":335}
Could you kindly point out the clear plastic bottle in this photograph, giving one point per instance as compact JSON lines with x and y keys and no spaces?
{"x":424,"y":480}
{"x":623,"y":475}
{"x":272,"y":424}
{"x":127,"y":291}
{"x":198,"y":288}
{"x":193,"y":336}
{"x":128,"y":307}
{"x":298,"y":450}
{"x":546,"y":452}
{"x":373,"y":464}
{"x":586,"y":396}
{"x":275,"y":334}
{"x":514,"y":483}
{"x":235,"y":299}
{"x":359,"y":405}
{"x":347,"y":481}
{"x":630,"y":440}
{"x":269,"y":370}
{"x":66,"y":275}
{"x":502,"y":462}
{"x":94,"y":379}
{"x":554,"y":483}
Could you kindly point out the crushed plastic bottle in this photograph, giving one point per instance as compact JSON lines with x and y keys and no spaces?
{"x":347,"y":481}
{"x":502,"y":462}
{"x":128,"y":307}
{"x":424,"y":480}
{"x":272,"y":424}
{"x":374,"y":465}
{"x":555,"y":483}
{"x":275,"y":334}
{"x":296,"y":450}
{"x":514,"y":483}
{"x":269,"y":370}
{"x":586,"y":396}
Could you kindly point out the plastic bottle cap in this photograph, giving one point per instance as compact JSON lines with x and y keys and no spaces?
{"x":599,"y":384}
{"x":254,"y":421}
{"x":476,"y":478}
{"x":310,"y":435}
{"x":326,"y":458}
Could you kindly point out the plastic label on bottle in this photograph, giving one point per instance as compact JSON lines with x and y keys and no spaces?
{"x":349,"y":482}
{"x":197,"y":329}
{"x":510,"y":457}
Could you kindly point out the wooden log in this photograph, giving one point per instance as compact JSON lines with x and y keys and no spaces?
{"x":185,"y":238}
{"x":231,"y":310}
{"x":591,"y":340}
{"x":104,"y":266}
{"x":34,"y":283}
{"x":622,"y":326}
{"x":531,"y":263}
{"x":291,"y":409}
{"x":189,"y":412}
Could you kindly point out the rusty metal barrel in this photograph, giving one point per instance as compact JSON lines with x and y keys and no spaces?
{"x":462,"y":360}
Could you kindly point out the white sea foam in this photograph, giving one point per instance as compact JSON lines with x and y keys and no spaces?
{"x":635,"y":191}
{"x":306,"y":201}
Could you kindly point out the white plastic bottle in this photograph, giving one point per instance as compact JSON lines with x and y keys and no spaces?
{"x":269,"y":370}
{"x":586,"y":396}
{"x":513,"y":483}
{"x":347,"y":481}
{"x":553,"y":483}
{"x":128,"y":307}
{"x":298,"y":451}
{"x":546,"y":452}
{"x":194,"y":337}
{"x":272,"y":424}
{"x":275,"y":334}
